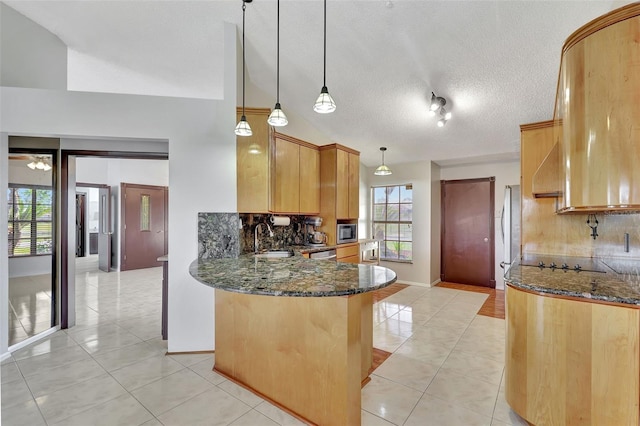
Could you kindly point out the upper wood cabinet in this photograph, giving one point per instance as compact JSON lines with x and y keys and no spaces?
{"x":253,"y":163}
{"x":339,"y":187}
{"x":276,"y":173}
{"x":309,"y":180}
{"x":599,"y":104}
{"x":296,"y":181}
{"x":340,"y":180}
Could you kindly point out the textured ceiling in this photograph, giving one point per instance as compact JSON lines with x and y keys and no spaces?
{"x":496,"y":62}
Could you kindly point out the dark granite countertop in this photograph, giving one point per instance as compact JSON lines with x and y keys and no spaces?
{"x":609,"y":280}
{"x":293,"y":276}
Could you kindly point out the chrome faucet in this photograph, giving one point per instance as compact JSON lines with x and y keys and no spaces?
{"x":255,"y":236}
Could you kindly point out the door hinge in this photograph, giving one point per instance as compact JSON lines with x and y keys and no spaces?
{"x":125,"y":226}
{"x":125,"y":257}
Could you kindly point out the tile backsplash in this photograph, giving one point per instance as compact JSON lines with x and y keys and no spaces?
{"x":283,"y":236}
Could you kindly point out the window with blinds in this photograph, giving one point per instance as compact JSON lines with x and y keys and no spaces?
{"x":30,"y":214}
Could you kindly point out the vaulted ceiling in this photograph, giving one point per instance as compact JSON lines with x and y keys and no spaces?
{"x":496,"y":63}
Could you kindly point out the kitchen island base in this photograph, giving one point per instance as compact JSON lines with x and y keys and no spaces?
{"x":307,"y":354}
{"x":571,"y":361}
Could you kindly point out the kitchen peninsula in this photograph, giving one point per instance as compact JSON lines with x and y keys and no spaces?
{"x":307,"y":350}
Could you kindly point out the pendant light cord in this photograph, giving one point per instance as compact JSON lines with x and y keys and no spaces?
{"x":244,"y":7}
{"x":324,"y":75}
{"x":278,"y":55}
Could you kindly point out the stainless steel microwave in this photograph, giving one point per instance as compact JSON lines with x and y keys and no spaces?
{"x":347,"y":233}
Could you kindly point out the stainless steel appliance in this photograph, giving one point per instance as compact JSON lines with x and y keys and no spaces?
{"x":312,"y":237}
{"x":324,"y":255}
{"x":347,"y":233}
{"x":511,"y":226}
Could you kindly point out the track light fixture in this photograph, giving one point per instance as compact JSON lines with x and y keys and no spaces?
{"x":277,"y":117}
{"x":243,"y":128}
{"x":382,"y":170}
{"x":324,"y":104}
{"x":436,"y":107}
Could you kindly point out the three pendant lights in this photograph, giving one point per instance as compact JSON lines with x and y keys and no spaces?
{"x":324,"y":104}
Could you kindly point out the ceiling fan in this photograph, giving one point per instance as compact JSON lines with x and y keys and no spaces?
{"x":39,"y":162}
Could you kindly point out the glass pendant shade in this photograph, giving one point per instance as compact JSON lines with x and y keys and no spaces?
{"x":277,"y":117}
{"x":382,"y":170}
{"x":243,"y":128}
{"x":324,"y":104}
{"x":32,"y":165}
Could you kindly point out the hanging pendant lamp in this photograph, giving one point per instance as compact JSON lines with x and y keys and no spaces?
{"x":382,"y":170}
{"x":243,"y":128}
{"x":324,"y":104}
{"x":277,"y":117}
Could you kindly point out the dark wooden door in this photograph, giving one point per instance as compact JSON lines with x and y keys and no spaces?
{"x":81,"y":202}
{"x":468,"y":252}
{"x":104,"y":229}
{"x":144,"y":223}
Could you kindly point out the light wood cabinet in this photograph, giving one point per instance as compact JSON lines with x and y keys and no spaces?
{"x":253,"y":163}
{"x":286,"y":179}
{"x":276,"y":173}
{"x":309,"y":180}
{"x":348,"y":253}
{"x":598,"y":103}
{"x":339,"y":187}
{"x":571,"y":361}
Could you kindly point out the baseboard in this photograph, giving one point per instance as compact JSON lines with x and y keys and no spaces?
{"x":436,"y":282}
{"x":5,"y":355}
{"x":190,"y":352}
{"x":33,"y":339}
{"x":413,"y":283}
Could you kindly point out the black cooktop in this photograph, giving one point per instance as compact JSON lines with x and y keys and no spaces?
{"x":563,"y":263}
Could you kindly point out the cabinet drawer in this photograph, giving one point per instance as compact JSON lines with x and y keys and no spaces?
{"x":348,"y":250}
{"x":350,"y":259}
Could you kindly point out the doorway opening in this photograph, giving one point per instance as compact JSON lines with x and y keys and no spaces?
{"x":106,"y":230}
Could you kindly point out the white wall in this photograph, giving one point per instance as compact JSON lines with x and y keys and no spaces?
{"x":418,"y":174}
{"x":31,"y":55}
{"x":196,"y":130}
{"x":506,"y":173}
{"x":436,"y":219}
{"x":4,"y":249}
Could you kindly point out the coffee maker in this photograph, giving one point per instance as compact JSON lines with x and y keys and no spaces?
{"x":313,"y":237}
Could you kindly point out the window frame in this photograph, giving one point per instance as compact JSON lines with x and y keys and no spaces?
{"x":399,"y":222}
{"x":33,"y":240}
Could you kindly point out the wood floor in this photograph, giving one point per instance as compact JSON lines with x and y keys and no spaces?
{"x":378,"y":295}
{"x":493,"y":306}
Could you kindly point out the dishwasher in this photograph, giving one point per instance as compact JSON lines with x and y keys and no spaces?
{"x":324,"y":255}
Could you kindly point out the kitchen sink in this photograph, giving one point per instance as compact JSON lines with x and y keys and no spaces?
{"x":275,"y":254}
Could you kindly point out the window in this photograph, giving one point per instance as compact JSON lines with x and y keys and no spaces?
{"x":392,"y":221}
{"x":30,"y":211}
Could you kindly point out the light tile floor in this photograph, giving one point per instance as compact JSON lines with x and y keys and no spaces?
{"x":29,"y":306}
{"x":446,"y":368}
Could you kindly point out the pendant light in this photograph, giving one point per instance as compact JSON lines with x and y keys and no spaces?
{"x":324,"y":104}
{"x":243,"y":128}
{"x":382,"y":170}
{"x":277,"y":117}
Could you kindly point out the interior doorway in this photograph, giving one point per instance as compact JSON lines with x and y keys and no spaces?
{"x":109,"y":225}
{"x":467,"y":237}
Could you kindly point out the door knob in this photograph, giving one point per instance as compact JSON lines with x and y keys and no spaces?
{"x":486,"y":239}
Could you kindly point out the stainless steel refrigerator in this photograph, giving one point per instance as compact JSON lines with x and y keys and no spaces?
{"x":511,"y":226}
